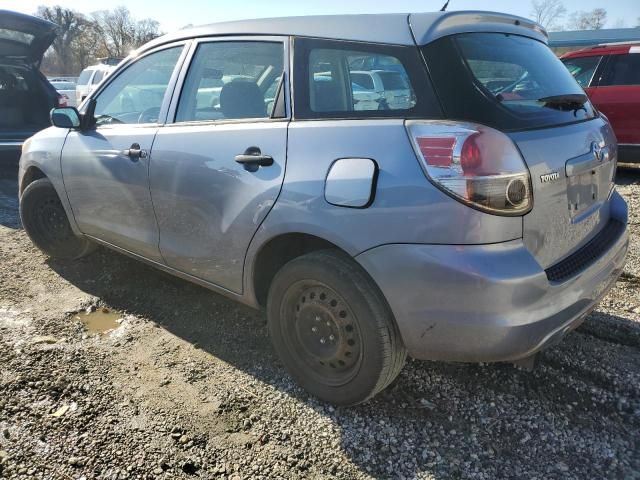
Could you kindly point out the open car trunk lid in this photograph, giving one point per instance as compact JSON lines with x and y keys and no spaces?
{"x":24,"y":37}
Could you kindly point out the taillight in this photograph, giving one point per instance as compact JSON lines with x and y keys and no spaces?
{"x":475,"y":164}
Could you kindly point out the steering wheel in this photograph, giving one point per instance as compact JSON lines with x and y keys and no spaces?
{"x":150,"y":115}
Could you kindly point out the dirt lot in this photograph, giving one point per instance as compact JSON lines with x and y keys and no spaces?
{"x":188,"y":386}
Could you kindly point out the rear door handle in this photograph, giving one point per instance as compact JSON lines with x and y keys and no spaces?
{"x":252,"y":159}
{"x":135,"y":152}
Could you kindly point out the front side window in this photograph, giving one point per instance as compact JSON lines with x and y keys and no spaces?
{"x":583,"y":68}
{"x":622,"y":70}
{"x":359,"y":80}
{"x":137,"y":93}
{"x":231,"y":80}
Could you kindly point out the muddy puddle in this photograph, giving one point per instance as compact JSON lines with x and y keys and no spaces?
{"x":99,"y":321}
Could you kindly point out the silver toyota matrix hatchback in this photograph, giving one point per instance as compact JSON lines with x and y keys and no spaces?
{"x":432,"y":184}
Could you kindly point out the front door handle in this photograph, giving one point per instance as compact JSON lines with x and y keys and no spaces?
{"x":135,"y":152}
{"x":252,"y":159}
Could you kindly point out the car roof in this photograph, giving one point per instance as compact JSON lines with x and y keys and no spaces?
{"x":605,"y":49}
{"x":389,"y":28}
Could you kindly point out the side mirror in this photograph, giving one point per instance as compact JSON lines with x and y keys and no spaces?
{"x":65,"y":117}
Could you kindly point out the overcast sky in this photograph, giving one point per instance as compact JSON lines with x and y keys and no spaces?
{"x":173,"y":15}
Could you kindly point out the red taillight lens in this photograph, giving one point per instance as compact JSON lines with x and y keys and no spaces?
{"x":437,"y":151}
{"x":477,"y":165}
{"x":470,"y":156}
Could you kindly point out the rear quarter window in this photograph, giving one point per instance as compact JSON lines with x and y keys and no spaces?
{"x":335,"y":79}
{"x":502,"y":80}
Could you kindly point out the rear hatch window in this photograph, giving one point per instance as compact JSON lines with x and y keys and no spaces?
{"x":506,"y":81}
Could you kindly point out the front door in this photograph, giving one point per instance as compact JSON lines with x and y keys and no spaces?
{"x":217,"y":170}
{"x":105,"y":169}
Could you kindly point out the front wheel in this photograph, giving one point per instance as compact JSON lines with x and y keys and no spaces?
{"x":45,"y":221}
{"x":333,"y":329}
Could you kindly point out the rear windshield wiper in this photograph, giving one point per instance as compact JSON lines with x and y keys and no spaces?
{"x":572,"y":101}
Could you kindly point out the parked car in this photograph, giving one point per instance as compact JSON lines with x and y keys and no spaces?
{"x":67,"y":91}
{"x":26,"y":97}
{"x":478,"y":223}
{"x":610,"y":74}
{"x":89,"y":79}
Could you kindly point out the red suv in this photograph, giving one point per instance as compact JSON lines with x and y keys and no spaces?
{"x":610,"y":74}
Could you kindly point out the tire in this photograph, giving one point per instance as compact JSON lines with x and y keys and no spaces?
{"x":46,"y":222}
{"x":333,"y":329}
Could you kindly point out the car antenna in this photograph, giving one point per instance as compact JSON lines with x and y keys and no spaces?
{"x":444,"y":7}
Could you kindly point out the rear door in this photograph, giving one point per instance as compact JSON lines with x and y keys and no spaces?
{"x":618,"y":95}
{"x":516,"y":84}
{"x":217,"y":170}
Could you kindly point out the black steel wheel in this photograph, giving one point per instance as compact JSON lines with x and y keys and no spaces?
{"x":45,"y":221}
{"x":333,"y":329}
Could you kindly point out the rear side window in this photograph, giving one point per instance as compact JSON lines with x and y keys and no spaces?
{"x":509,"y":82}
{"x":358,"y":80}
{"x":622,"y":70}
{"x":583,"y":68}
{"x":231,"y":80}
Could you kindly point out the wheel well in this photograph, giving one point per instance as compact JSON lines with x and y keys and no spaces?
{"x":32,"y":173}
{"x":276,"y":253}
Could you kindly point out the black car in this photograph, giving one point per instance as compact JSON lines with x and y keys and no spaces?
{"x":26,"y":97}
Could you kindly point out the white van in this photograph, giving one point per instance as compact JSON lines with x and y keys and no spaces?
{"x":90,"y":78}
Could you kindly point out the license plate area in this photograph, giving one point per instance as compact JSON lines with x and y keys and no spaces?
{"x":583,"y":190}
{"x":589,"y":180}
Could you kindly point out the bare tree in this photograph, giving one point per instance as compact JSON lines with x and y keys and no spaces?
{"x":596,"y":19}
{"x":71,"y":26}
{"x":119,"y":32}
{"x":548,"y":13}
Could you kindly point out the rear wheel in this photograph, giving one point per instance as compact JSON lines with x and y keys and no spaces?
{"x":45,"y":221}
{"x":333,"y":329}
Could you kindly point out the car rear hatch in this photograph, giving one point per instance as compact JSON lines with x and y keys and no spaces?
{"x":496,"y":70}
{"x":24,"y":38}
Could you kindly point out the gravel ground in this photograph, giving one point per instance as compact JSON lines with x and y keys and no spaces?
{"x":188,"y":386}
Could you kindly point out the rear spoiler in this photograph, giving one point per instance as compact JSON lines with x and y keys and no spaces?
{"x":428,"y":27}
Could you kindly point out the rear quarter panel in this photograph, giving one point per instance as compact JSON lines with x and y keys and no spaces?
{"x":407,"y":208}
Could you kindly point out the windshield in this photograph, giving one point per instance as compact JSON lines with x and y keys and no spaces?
{"x":507,"y":81}
{"x":84,"y":77}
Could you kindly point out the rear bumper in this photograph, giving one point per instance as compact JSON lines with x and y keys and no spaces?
{"x":487,"y":303}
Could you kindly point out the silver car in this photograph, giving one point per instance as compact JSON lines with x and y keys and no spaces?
{"x":477,"y":222}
